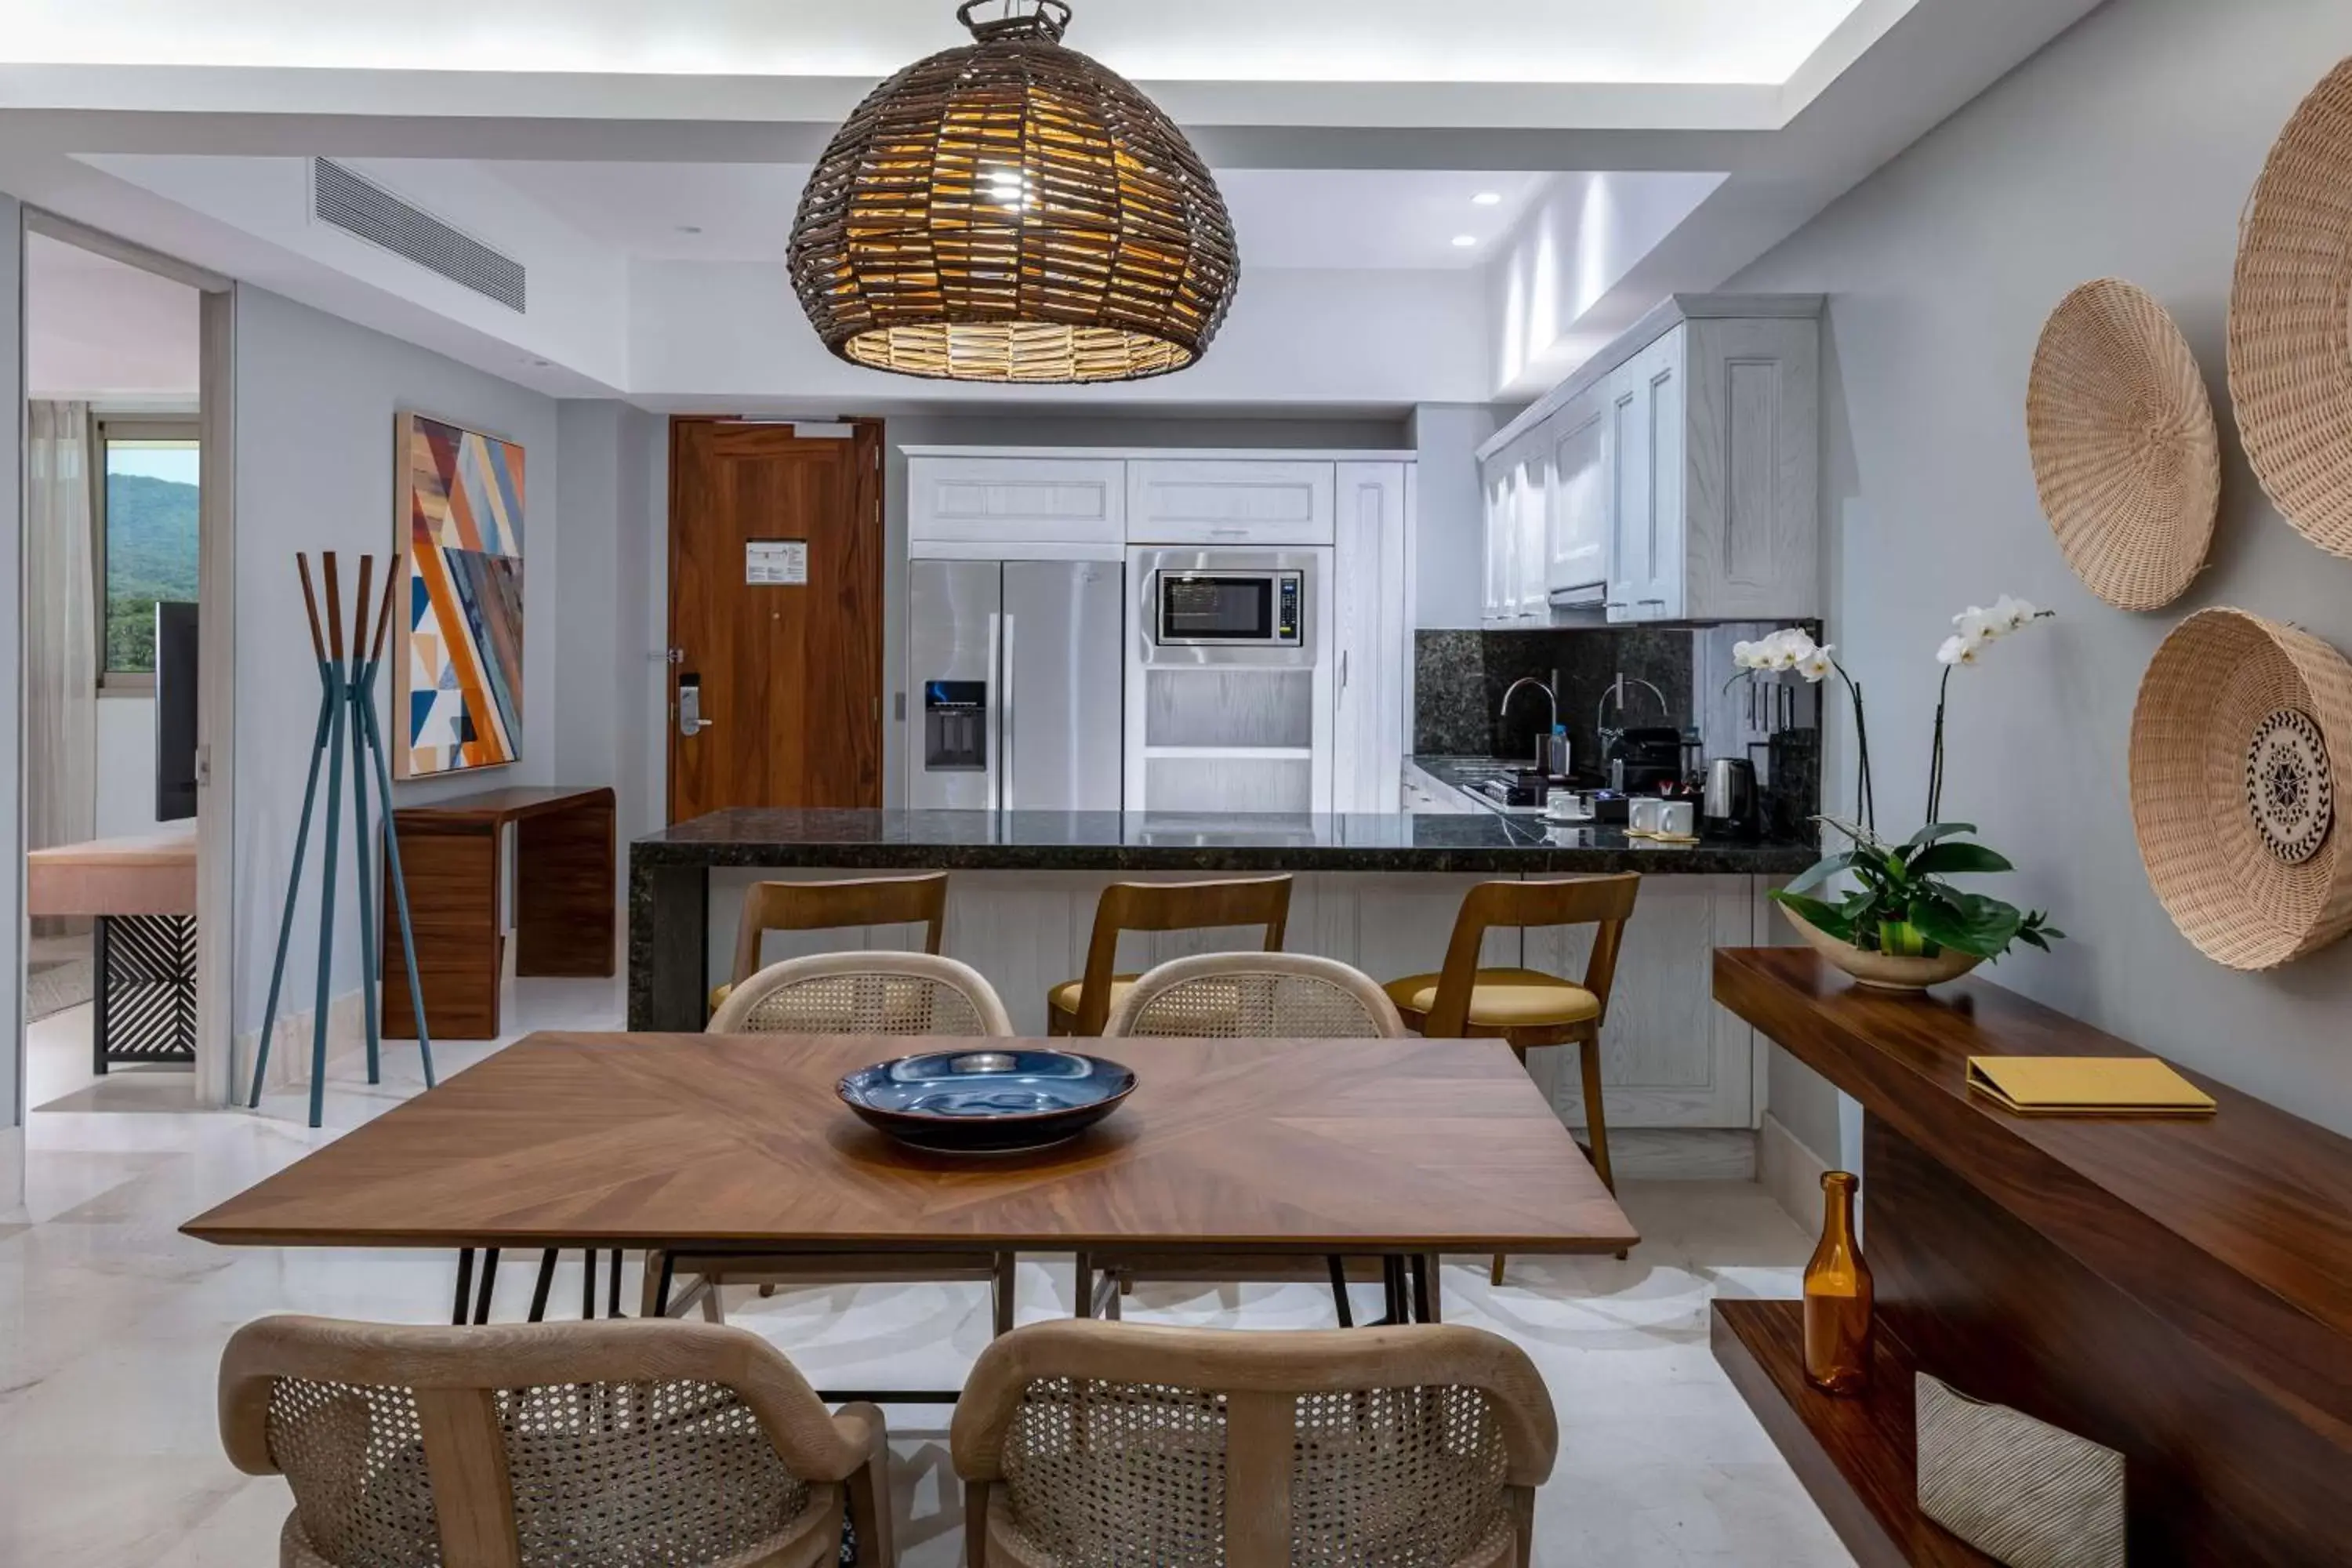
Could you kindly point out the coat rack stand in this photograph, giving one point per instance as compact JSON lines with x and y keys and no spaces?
{"x":346,"y":699}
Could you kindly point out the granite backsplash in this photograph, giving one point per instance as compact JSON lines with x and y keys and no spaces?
{"x":1675,"y":677}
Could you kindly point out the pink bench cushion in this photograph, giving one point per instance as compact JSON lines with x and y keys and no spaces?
{"x":151,"y":874}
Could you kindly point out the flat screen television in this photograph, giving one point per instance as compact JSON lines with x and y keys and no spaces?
{"x":175,"y":711}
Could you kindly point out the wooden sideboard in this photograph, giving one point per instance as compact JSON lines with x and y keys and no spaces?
{"x":565,"y":897}
{"x":2180,"y":1290}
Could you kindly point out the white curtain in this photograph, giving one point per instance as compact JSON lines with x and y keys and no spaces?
{"x":62,"y":629}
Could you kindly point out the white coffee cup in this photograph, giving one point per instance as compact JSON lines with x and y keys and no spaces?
{"x":1644,"y":813}
{"x":1567,"y":805}
{"x":1676,"y":818}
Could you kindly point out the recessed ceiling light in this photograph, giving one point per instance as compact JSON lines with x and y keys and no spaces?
{"x":1464,"y":241}
{"x":1488,"y":199}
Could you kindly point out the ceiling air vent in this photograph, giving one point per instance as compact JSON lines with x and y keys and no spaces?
{"x":360,"y":206}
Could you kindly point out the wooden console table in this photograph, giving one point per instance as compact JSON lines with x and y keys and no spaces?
{"x":141,"y":892}
{"x":565,"y":861}
{"x":2180,"y":1290}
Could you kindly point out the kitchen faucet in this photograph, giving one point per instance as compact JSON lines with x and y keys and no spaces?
{"x":1545,"y":757}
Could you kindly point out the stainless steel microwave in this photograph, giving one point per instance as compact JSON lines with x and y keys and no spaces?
{"x":1210,"y":607}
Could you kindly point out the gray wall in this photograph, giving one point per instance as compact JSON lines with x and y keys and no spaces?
{"x":607,"y":691}
{"x":1450,"y":504}
{"x":315,"y":401}
{"x":11,"y":821}
{"x":2126,"y":148}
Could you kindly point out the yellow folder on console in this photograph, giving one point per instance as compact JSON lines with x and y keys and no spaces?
{"x":2087,"y":1086}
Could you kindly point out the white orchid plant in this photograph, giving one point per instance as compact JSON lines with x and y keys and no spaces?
{"x":1901,"y":905}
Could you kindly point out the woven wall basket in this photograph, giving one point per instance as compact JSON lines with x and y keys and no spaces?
{"x":2290,"y":319}
{"x":2218,"y":681}
{"x":2125,"y":450}
{"x":1013,"y":212}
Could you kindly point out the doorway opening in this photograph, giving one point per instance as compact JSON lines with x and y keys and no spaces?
{"x":124,"y":518}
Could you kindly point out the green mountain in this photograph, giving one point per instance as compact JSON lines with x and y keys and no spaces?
{"x":150,"y":555}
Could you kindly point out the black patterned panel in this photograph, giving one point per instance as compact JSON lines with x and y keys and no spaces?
{"x":147,"y":1005}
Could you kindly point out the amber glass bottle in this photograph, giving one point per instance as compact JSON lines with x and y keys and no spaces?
{"x":1837,"y":1296}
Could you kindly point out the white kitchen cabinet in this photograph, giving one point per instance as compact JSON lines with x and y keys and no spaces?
{"x":1517,"y":537}
{"x":1220,"y":501}
{"x":1578,"y":518}
{"x":1501,"y":550}
{"x":958,"y":502}
{"x":1687,"y":454}
{"x":1372,"y":635}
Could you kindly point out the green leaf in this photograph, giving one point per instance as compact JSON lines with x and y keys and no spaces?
{"x":1957,"y":859}
{"x":1818,"y":915}
{"x":1934,"y":830}
{"x":1820,"y":872}
{"x":1969,"y":924}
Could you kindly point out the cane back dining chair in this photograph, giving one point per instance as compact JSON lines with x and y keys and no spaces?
{"x":883,"y":994}
{"x":1082,"y":1006}
{"x":1083,"y":1442}
{"x":834,"y":906}
{"x":1526,"y":1007}
{"x":1241,"y":997}
{"x":550,"y":1446}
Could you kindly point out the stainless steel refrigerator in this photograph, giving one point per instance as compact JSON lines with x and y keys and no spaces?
{"x":1016,"y":678}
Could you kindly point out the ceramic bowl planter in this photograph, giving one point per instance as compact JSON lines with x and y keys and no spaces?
{"x":1884,"y":970}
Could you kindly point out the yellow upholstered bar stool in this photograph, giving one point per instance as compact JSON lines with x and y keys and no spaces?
{"x":1082,"y":1006}
{"x":1526,"y":1007}
{"x":834,"y":906}
{"x":617,"y":1442}
{"x":1417,"y":1447}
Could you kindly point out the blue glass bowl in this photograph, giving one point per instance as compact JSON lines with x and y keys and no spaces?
{"x":987,"y":1101}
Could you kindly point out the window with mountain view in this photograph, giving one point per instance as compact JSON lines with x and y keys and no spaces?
{"x":150,"y":537}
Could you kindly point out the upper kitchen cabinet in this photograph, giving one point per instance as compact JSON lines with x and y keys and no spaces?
{"x":1518,"y":488}
{"x":1222,"y":501}
{"x":957,"y":504}
{"x":1682,"y":472}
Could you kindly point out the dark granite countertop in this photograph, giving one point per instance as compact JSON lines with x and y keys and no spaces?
{"x":1153,"y":841}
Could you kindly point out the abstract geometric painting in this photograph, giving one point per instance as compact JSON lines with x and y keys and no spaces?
{"x":460,"y":658}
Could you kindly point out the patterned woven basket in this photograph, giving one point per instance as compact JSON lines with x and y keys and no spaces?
{"x":2211,"y":687}
{"x":2290,"y":343}
{"x":2124,"y":449}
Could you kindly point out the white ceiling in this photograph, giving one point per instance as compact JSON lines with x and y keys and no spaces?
{"x":1403,"y":219}
{"x":98,"y":330}
{"x":1530,"y":41}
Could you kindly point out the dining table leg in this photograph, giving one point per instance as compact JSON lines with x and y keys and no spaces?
{"x":541,"y":1287}
{"x":458,"y":1314}
{"x":1428,"y":1308}
{"x":490,"y":1283}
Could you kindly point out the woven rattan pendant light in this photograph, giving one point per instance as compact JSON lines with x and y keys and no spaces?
{"x":1011,"y":210}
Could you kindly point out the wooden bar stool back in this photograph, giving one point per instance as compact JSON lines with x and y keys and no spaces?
{"x":1082,"y":1006}
{"x":1526,"y":1007}
{"x":834,"y":906}
{"x":1079,"y":1442}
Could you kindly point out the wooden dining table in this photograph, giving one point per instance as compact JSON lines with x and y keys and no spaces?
{"x":704,"y":1144}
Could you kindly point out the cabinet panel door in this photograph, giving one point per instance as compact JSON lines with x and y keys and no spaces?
{"x":1578,"y":515}
{"x":1664,"y":599}
{"x":1752,"y":466}
{"x":1500,"y":541}
{"x":1632,"y":542}
{"x":1372,"y":689}
{"x":1534,"y":599}
{"x":1669,"y":1056}
{"x":1017,"y":500}
{"x":1229,"y":501}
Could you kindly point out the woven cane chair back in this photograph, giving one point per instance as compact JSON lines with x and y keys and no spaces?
{"x":1089,"y":1443}
{"x":555,"y":1444}
{"x":1257,"y":996}
{"x":865,"y":994}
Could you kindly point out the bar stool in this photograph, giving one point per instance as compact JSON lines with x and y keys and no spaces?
{"x":1082,"y":1006}
{"x":1525,"y":1007}
{"x":834,"y":906}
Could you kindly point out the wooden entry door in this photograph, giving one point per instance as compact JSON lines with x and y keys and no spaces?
{"x":775,"y":610}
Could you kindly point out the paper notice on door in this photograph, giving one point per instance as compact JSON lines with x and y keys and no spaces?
{"x":776,"y":563}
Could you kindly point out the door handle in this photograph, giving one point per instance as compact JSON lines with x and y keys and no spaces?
{"x":1343,"y":669}
{"x":690,"y":722}
{"x":1229,"y":533}
{"x":1010,"y":622}
{"x":993,"y":726}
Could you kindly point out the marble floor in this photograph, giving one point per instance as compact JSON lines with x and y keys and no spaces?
{"x":111,"y":1325}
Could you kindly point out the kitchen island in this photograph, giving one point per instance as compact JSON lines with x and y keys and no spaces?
{"x":1377,"y":891}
